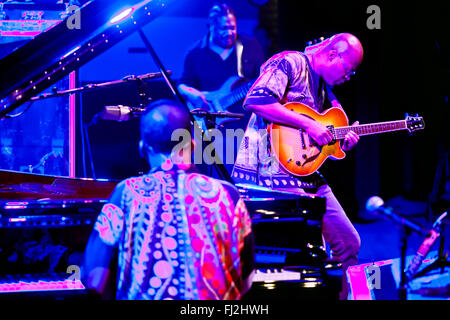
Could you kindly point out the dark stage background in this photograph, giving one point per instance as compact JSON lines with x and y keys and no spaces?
{"x":405,"y":69}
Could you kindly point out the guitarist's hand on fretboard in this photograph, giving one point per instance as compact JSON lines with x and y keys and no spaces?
{"x":351,"y":139}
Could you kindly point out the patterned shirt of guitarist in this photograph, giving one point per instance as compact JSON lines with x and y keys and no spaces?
{"x":180,"y":235}
{"x":286,"y":77}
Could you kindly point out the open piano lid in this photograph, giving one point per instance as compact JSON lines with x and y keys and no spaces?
{"x":53,"y":54}
{"x":50,"y":56}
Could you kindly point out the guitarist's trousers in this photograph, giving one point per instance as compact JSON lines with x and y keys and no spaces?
{"x":340,"y":234}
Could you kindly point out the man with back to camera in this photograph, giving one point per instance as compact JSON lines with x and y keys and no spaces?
{"x":178,"y":234}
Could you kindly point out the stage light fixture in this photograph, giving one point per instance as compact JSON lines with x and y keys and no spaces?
{"x":121,"y":16}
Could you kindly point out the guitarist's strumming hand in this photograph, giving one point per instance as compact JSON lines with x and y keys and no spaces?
{"x":319,"y":133}
{"x":351,"y":139}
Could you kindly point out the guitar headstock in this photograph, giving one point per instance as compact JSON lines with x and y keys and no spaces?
{"x":314,"y":41}
{"x":315,"y":44}
{"x":414,"y":123}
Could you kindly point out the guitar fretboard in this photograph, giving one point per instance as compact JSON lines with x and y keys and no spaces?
{"x":235,"y":95}
{"x":373,"y":128}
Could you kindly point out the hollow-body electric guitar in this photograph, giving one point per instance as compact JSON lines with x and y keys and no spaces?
{"x":300,"y":155}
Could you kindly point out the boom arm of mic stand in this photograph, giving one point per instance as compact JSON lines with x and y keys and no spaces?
{"x":220,"y":167}
{"x":93,"y":86}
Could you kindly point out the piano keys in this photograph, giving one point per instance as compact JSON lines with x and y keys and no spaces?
{"x":271,"y":275}
{"x":295,"y":283}
{"x":38,"y":282}
{"x":51,"y":286}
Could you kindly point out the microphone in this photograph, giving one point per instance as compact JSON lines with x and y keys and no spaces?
{"x":377,"y":204}
{"x":120,"y":113}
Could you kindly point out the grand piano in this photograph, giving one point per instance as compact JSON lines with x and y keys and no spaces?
{"x":45,"y":220}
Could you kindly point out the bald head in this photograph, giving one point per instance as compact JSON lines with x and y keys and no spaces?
{"x":347,"y":45}
{"x":338,"y":57}
{"x":159,"y":121}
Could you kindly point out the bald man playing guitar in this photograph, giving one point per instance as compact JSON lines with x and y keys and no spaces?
{"x":305,"y":78}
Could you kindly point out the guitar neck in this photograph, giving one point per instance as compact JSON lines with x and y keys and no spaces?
{"x":373,"y":128}
{"x":235,"y":95}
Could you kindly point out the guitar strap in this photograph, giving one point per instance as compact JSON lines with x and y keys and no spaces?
{"x":239,"y":49}
{"x":313,"y":82}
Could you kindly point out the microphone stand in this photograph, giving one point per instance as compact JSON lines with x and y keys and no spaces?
{"x":402,"y":291}
{"x":92,"y":86}
{"x":220,"y":168}
{"x":441,"y":262}
{"x":211,"y":117}
{"x":211,"y":121}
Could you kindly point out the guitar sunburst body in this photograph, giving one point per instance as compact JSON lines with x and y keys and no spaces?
{"x":295,"y":149}
{"x":301,"y":156}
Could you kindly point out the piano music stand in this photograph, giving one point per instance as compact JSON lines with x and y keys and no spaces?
{"x":210,"y":119}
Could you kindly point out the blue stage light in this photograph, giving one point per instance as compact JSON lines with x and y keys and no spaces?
{"x":122,"y":15}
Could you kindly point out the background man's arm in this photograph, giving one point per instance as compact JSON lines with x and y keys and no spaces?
{"x":195,"y":97}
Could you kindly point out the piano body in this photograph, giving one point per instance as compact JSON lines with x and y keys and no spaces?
{"x":45,"y":220}
{"x":290,"y":253}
